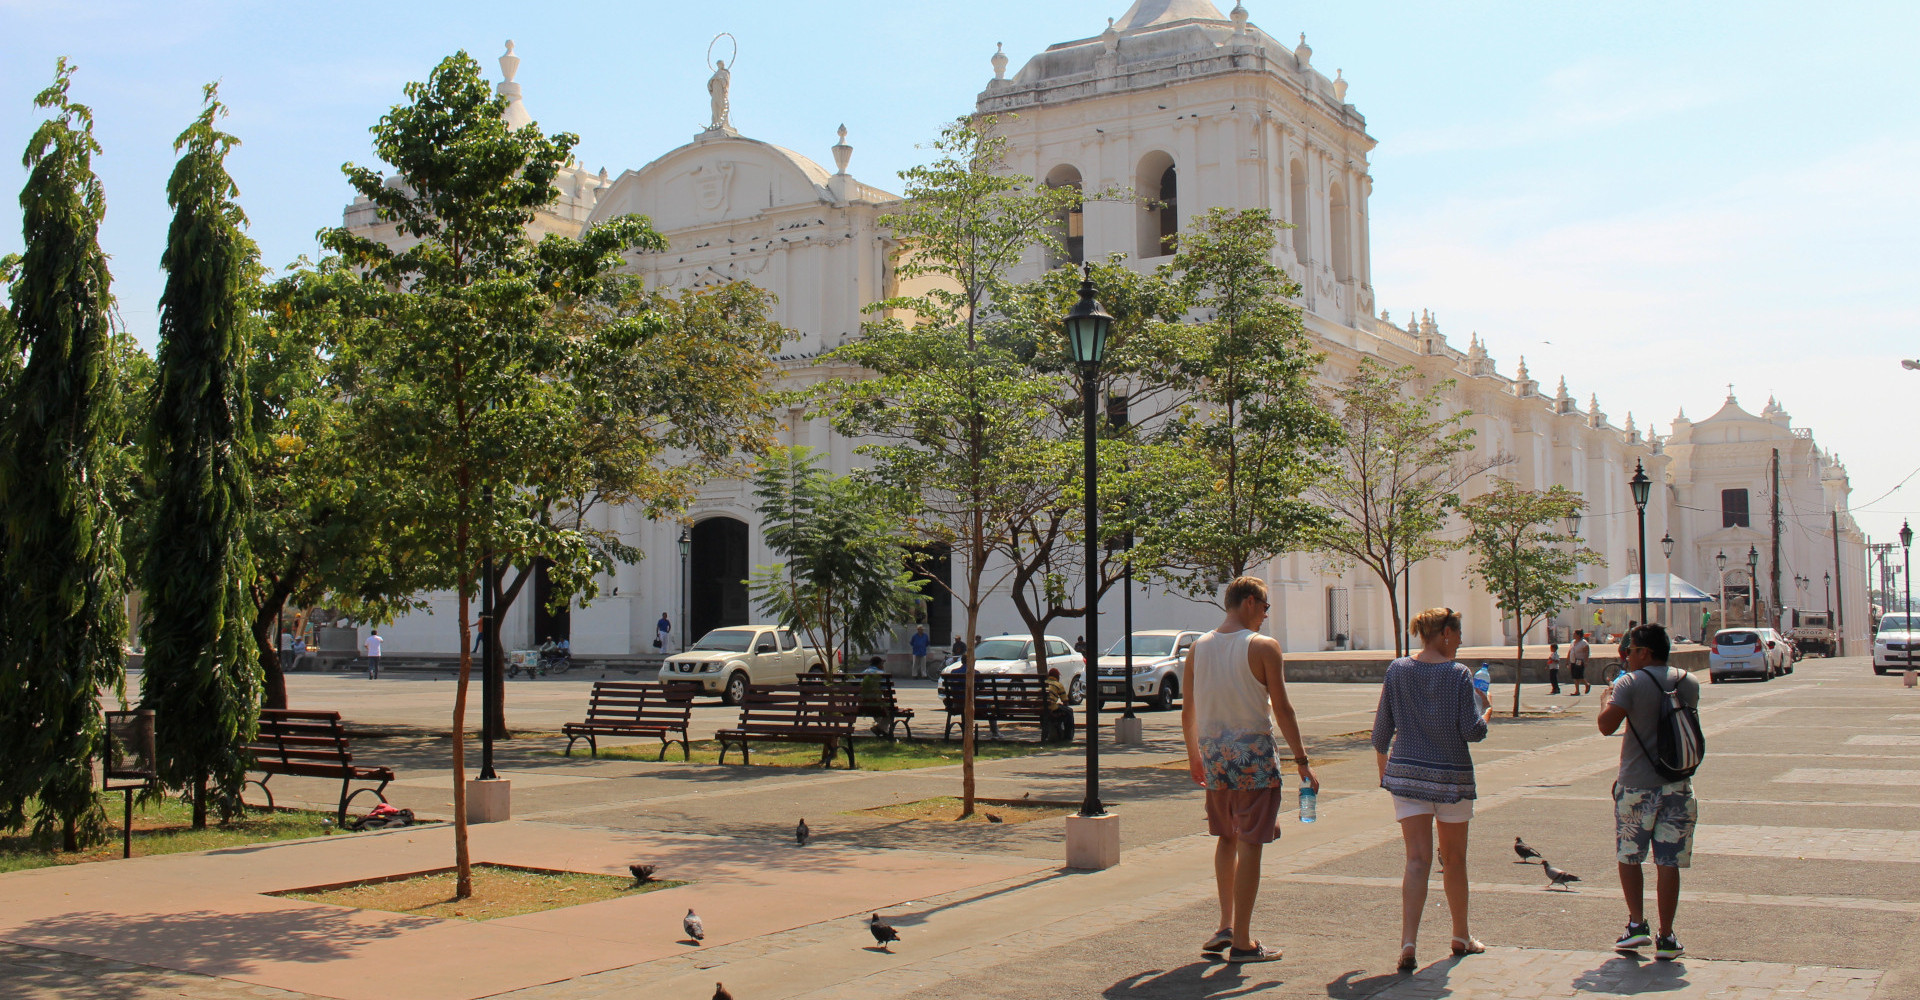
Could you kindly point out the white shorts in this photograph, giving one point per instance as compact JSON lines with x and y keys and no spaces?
{"x":1442,"y":812}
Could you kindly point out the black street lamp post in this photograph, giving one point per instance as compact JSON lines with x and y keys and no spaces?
{"x":1641,"y":486}
{"x":1666,"y":552}
{"x":1906,"y":581}
{"x":487,"y":665}
{"x":1753,"y":584}
{"x":1720,"y":563}
{"x":686,"y":584}
{"x":1826,"y":584}
{"x":1087,"y":325}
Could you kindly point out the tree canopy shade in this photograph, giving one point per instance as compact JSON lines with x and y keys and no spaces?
{"x":846,"y":579}
{"x":460,"y":390}
{"x":1399,"y":463}
{"x":1250,"y":434}
{"x":200,"y":675}
{"x":948,"y":411}
{"x":63,"y":623}
{"x":1522,"y":560}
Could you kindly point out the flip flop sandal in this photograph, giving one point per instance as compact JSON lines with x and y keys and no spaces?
{"x":1468,"y":946}
{"x":1221,"y":940}
{"x":1258,"y":953}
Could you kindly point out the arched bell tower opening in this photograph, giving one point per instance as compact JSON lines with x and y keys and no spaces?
{"x":1070,"y":228}
{"x":1157,"y":185}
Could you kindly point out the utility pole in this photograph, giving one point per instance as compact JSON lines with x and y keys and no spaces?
{"x":1774,"y":574}
{"x":1839,"y":587}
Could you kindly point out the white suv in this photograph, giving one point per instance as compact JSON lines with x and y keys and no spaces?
{"x":1748,"y":652}
{"x":1158,"y":655}
{"x":1013,"y":654}
{"x":1896,"y":643}
{"x":726,"y":660}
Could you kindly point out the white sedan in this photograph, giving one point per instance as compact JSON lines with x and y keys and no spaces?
{"x":1014,"y":654}
{"x":1748,"y":652}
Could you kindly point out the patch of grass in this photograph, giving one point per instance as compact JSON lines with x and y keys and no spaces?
{"x":870,"y":753}
{"x":165,"y":827}
{"x":946,"y":808}
{"x":498,"y":891}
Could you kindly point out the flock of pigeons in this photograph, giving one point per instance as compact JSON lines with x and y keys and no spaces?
{"x":883,"y":933}
{"x":1555,"y":877}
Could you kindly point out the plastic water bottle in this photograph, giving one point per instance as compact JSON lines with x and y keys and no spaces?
{"x":1309,"y":804}
{"x":1483,"y":683}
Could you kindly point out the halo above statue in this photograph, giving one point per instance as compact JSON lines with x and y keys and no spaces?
{"x":733,"y":56}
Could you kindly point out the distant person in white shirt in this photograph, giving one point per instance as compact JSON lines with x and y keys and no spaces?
{"x":373,"y":655}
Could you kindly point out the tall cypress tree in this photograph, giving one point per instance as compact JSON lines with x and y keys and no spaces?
{"x":200,"y":676}
{"x":63,"y":620}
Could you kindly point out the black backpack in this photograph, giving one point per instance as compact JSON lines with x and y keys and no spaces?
{"x":1678,"y":745}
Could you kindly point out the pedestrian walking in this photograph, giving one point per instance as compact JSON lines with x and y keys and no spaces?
{"x":1553,"y":667}
{"x":1236,"y":690}
{"x":1650,"y":811}
{"x":919,"y":646}
{"x":373,"y":654}
{"x":662,"y":633}
{"x":1429,"y":711}
{"x":1626,"y":639}
{"x":1577,"y":655}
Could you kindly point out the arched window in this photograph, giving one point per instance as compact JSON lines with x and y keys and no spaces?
{"x":1070,"y":227}
{"x":1159,"y":191}
{"x":1302,"y":226}
{"x":1337,"y":228}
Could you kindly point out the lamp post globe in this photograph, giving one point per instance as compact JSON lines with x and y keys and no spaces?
{"x":1087,"y":325}
{"x":1666,"y":588}
{"x":686,"y":584}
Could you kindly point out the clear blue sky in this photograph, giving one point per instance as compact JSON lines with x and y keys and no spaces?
{"x":1653,"y":199}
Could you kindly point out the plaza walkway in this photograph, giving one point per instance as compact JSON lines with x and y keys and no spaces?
{"x":1806,"y":878}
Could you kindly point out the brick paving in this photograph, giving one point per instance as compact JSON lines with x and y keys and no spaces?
{"x":1884,"y":740}
{"x":1832,"y":843}
{"x":1848,"y":776}
{"x":1531,"y":974}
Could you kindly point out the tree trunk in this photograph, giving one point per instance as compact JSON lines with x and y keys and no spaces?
{"x":502,"y":600}
{"x":200,"y":802}
{"x":267,"y":641}
{"x":1519,"y":660}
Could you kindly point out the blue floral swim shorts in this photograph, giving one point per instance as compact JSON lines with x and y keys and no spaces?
{"x":1662,"y":817}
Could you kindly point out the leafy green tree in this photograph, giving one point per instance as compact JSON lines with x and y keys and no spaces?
{"x":461,"y":392}
{"x":63,"y":623}
{"x":1523,"y":562}
{"x":1400,"y":461}
{"x":846,"y":579}
{"x":945,"y":409}
{"x":1250,"y":435}
{"x":200,"y":674}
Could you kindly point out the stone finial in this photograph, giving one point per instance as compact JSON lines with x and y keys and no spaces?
{"x":841,"y":151}
{"x":1239,"y":17}
{"x":1339,"y":86}
{"x":516,"y":115}
{"x":1110,"y":38}
{"x":1303,"y":52}
{"x":1562,"y":400}
{"x":999,"y":61}
{"x":604,"y":182}
{"x":1632,"y":434}
{"x":1523,"y":368}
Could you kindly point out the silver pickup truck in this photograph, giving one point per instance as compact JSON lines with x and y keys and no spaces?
{"x":726,"y":660}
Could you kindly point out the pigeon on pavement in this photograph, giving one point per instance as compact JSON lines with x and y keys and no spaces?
{"x":1555,"y":876}
{"x":691,"y":924}
{"x":801,"y":834}
{"x":720,"y":992}
{"x":882,"y":932}
{"x":642,"y":874}
{"x":1527,"y":854}
{"x":994,"y":818}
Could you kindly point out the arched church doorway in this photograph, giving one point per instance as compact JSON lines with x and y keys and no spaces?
{"x":548,"y":624}
{"x":717,"y":572}
{"x":932,"y":566}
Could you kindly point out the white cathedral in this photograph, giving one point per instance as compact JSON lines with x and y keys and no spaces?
{"x":1193,"y":110}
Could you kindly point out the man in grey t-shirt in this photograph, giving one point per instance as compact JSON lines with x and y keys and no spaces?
{"x":1649,"y":811}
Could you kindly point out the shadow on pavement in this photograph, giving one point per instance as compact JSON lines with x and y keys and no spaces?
{"x":1347,"y":987}
{"x":1629,"y":976}
{"x":1210,"y":979}
{"x":217,"y":944}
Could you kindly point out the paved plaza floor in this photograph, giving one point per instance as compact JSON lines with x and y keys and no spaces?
{"x":1805,"y":882}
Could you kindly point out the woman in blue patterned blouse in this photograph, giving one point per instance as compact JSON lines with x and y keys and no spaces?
{"x":1429,"y":712}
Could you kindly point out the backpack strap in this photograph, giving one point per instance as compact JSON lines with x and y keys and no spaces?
{"x":1635,"y":733}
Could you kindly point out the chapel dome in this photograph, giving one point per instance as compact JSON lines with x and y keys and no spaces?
{"x":1147,"y":14}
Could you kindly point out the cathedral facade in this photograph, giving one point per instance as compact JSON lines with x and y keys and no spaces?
{"x":1191,"y":110}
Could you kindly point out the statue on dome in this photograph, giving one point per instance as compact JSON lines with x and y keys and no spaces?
{"x":717,"y":94}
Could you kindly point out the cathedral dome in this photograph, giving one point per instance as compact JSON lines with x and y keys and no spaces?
{"x":1148,"y":14}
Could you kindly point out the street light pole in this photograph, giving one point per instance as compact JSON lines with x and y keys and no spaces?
{"x":1666,"y":549}
{"x":686,"y":585}
{"x":1720,"y":563}
{"x":1087,"y":325}
{"x":1753,"y":584}
{"x":1906,"y":581}
{"x":1826,"y":583}
{"x":1641,"y":487}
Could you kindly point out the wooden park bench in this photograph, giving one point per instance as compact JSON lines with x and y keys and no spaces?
{"x":311,"y":745}
{"x":822,"y":712}
{"x":878,"y":700}
{"x":635,"y":708}
{"x":997,"y":698}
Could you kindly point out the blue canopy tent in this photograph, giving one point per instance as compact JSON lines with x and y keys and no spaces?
{"x":1626,"y":590}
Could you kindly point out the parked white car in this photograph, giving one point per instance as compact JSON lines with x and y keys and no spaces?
{"x":1896,"y":643}
{"x":726,"y":660}
{"x":1013,"y":654}
{"x":1158,"y":655}
{"x":1748,"y":652}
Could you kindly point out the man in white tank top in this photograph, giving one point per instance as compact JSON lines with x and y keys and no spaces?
{"x":1232,"y":676}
